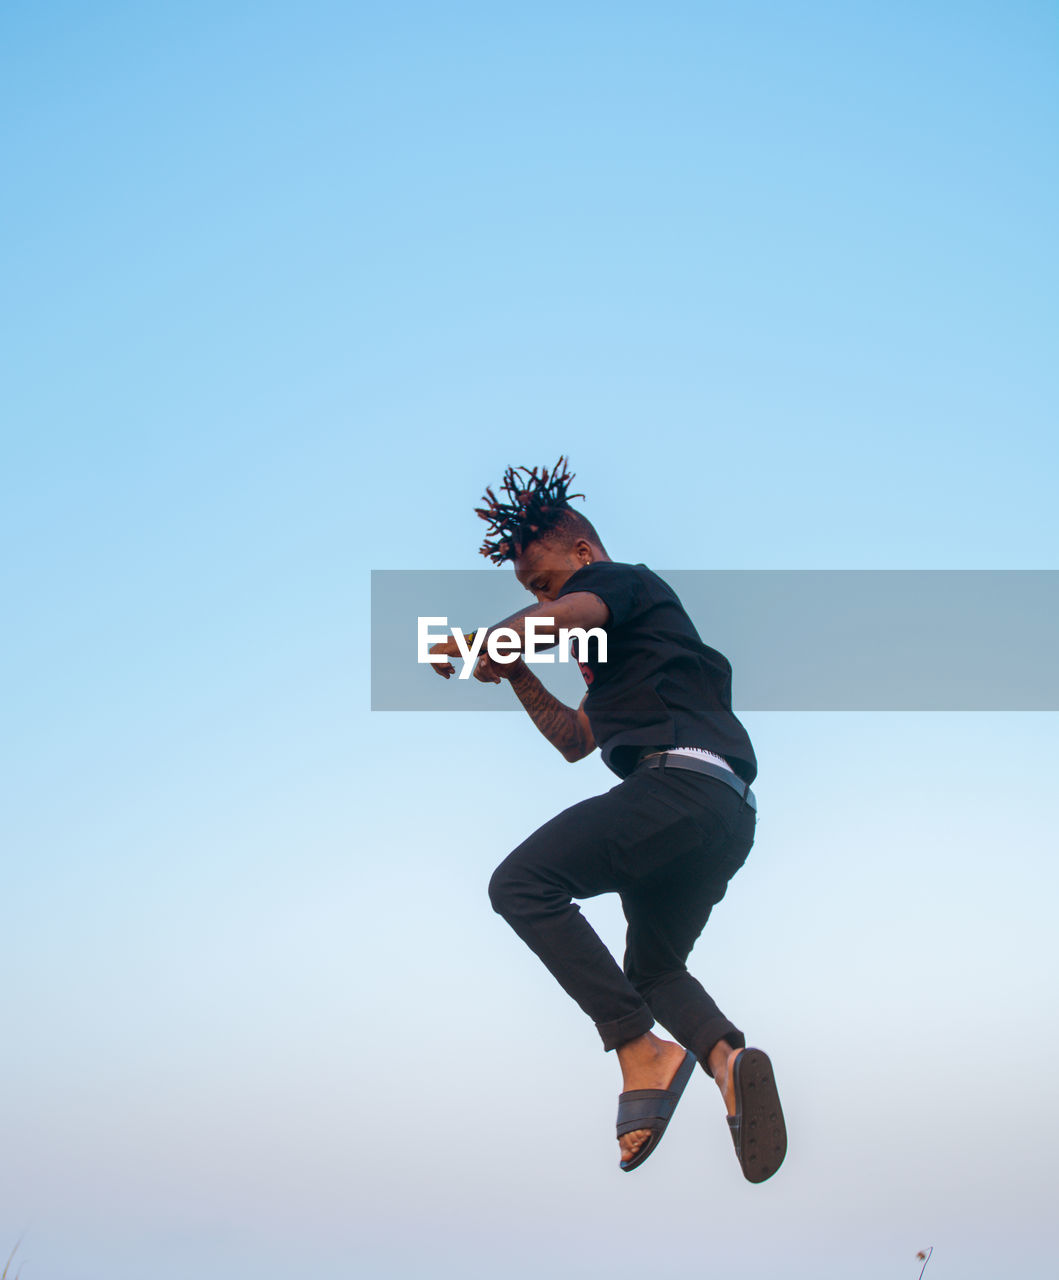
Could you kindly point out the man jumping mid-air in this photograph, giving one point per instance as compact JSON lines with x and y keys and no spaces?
{"x":666,"y":839}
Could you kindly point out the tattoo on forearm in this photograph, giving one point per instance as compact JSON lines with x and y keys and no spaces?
{"x":558,"y":722}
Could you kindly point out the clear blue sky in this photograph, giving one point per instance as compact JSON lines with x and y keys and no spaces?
{"x":284,"y":288}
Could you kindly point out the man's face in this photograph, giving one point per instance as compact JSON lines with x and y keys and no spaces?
{"x":543,"y":568}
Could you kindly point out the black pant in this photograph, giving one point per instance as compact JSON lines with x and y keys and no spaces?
{"x":668,"y":841}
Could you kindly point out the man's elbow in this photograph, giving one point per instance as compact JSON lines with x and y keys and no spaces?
{"x":572,"y":754}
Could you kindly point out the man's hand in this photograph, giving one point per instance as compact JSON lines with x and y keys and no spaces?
{"x":486,"y":670}
{"x":451,"y":650}
{"x":490,"y":672}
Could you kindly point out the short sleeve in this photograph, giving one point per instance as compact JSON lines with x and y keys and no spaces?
{"x":619,"y":586}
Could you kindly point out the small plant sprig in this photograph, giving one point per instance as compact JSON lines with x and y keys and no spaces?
{"x":7,"y":1264}
{"x":922,"y":1256}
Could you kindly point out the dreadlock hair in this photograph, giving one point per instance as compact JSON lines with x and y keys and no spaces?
{"x":537,"y":507}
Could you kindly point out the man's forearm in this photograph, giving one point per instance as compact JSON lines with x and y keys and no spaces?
{"x":580,"y":609}
{"x":559,"y":723}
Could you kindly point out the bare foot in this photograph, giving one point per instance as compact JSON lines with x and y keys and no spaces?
{"x":721,"y":1061}
{"x":646,"y":1063}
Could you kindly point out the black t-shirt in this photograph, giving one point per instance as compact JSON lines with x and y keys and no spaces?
{"x":660,"y":686}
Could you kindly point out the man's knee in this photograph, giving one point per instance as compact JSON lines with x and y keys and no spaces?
{"x":502,"y":889}
{"x":516,"y":891}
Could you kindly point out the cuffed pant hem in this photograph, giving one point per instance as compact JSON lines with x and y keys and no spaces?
{"x":716,"y":1029}
{"x":634,"y":1024}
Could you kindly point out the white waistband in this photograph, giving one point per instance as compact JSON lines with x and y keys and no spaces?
{"x":703,"y":754}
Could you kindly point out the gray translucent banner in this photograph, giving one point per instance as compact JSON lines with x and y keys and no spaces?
{"x":798,"y":640}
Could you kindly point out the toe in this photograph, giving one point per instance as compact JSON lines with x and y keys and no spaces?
{"x":632,"y":1142}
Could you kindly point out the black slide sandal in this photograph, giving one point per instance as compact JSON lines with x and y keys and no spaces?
{"x":758,"y":1129}
{"x":652,"y":1109}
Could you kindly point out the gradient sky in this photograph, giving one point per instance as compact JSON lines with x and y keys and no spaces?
{"x":284,"y":288}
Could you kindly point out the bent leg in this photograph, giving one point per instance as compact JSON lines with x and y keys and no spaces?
{"x":666,"y":915}
{"x":588,"y":849}
{"x":655,"y":962}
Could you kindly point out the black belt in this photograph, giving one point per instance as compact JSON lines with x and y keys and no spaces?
{"x":670,"y":761}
